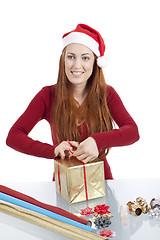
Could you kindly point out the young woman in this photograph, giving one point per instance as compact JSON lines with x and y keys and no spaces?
{"x":81,"y":107}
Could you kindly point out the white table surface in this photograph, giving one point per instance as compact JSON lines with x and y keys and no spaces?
{"x":118,"y":192}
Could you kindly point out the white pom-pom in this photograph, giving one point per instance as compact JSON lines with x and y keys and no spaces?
{"x":102,"y":61}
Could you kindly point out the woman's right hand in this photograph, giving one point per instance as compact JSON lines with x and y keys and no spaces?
{"x":64,"y":148}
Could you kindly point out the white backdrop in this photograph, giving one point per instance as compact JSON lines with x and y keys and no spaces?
{"x":30,"y":46}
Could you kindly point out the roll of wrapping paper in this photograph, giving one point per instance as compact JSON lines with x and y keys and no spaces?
{"x":20,"y":203}
{"x":47,"y":222}
{"x":54,"y":209}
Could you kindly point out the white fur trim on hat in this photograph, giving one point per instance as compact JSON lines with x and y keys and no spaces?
{"x":82,"y":38}
{"x":102,"y":61}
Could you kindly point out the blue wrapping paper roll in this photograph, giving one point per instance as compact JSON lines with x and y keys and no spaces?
{"x":42,"y":211}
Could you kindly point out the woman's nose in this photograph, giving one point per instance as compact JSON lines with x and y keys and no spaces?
{"x":77,"y":63}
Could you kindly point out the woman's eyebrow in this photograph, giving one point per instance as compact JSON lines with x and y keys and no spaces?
{"x":85,"y":54}
{"x":71,"y":53}
{"x":74,"y":53}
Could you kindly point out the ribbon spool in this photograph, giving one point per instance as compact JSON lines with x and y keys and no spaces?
{"x":134,"y":208}
{"x":124,"y":214}
{"x":155,"y":202}
{"x":142,"y":202}
{"x":155,"y":208}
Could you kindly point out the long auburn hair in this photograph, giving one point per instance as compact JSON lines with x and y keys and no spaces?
{"x":66,"y":115}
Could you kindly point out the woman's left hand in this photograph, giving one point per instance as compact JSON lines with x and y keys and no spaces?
{"x":87,"y":151}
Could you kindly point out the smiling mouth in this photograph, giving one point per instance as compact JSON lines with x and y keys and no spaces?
{"x":77,"y":73}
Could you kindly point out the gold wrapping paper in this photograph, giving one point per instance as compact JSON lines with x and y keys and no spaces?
{"x":47,"y":222}
{"x":72,"y":185}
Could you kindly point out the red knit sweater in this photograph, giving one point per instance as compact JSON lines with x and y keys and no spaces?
{"x":39,"y":108}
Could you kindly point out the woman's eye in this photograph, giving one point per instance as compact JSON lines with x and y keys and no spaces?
{"x":70,"y":57}
{"x":86,"y":58}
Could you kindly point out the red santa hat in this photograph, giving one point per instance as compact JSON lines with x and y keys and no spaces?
{"x":89,"y":37}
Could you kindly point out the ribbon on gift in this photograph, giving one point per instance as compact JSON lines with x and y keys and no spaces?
{"x":84,"y":173}
{"x":59,"y":181}
{"x":85,"y":179}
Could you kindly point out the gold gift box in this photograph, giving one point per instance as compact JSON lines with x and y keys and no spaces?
{"x":70,"y":181}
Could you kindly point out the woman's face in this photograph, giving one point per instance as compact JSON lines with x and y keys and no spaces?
{"x":79,"y":61}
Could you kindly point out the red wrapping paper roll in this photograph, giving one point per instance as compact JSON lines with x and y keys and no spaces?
{"x":54,"y":209}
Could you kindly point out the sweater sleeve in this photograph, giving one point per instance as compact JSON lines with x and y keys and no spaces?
{"x":18,"y":138}
{"x":126,"y":134}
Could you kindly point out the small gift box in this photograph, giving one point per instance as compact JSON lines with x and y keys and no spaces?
{"x":77,"y":182}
